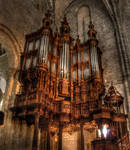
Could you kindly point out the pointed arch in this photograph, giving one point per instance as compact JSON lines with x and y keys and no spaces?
{"x":83,"y":17}
{"x":12,"y":47}
{"x":11,"y":44}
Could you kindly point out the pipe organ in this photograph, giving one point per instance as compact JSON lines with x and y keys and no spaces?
{"x":62,"y":86}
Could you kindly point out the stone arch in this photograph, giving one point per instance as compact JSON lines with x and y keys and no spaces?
{"x":83,"y":17}
{"x":11,"y":44}
{"x":12,"y":47}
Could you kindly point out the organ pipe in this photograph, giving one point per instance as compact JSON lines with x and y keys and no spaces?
{"x":85,"y":56}
{"x":94,"y":60}
{"x":30,"y":46}
{"x":44,"y":48}
{"x":41,"y":48}
{"x":68,"y":59}
{"x":64,"y":60}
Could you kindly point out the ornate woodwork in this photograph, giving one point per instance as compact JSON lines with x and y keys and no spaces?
{"x":62,"y":85}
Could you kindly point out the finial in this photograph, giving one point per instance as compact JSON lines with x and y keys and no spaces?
{"x":91,"y":26}
{"x":65,"y":28}
{"x":56,"y":32}
{"x":47,"y":20}
{"x":48,"y":14}
{"x":92,"y":33}
{"x":65,"y":19}
{"x":77,"y":40}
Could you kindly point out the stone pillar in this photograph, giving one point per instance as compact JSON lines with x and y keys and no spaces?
{"x":36,"y":131}
{"x":54,"y":142}
{"x":60,"y":138}
{"x":43,"y":140}
{"x":114,"y":12}
{"x":48,"y":140}
{"x":82,"y":137}
{"x":79,"y":144}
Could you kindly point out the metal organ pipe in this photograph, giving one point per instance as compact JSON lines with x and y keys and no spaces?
{"x":44,"y":48}
{"x":61,"y":60}
{"x":55,"y":51}
{"x":68,"y":60}
{"x":64,"y":60}
{"x":65,"y":68}
{"x":47,"y":47}
{"x":91,"y":60}
{"x":94,"y":60}
{"x":41,"y":48}
{"x":97,"y":63}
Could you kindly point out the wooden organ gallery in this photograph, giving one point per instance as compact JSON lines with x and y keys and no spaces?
{"x":62,"y":90}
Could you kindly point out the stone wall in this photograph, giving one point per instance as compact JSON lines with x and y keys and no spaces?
{"x":21,"y":17}
{"x":17,"y":18}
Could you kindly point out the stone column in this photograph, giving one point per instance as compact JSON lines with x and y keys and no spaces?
{"x":43,"y":140}
{"x":82,"y":137}
{"x":114,"y":12}
{"x":48,"y":140}
{"x":36,"y":131}
{"x":60,"y":138}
